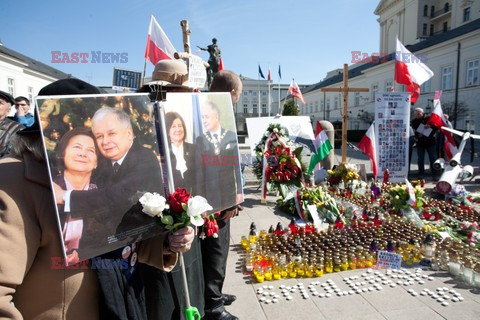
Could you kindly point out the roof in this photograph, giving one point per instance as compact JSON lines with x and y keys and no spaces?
{"x":429,"y":42}
{"x":35,"y":65}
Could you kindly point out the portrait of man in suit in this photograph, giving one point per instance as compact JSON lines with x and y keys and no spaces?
{"x":126,"y":170}
{"x":220,"y":161}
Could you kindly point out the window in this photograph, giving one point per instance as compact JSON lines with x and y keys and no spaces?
{"x":432,"y":11}
{"x":254,"y":93}
{"x":328,"y":104}
{"x":447,"y":7}
{"x":425,"y":11}
{"x":374,"y":90}
{"x":445,"y":26}
{"x":425,"y":27}
{"x":11,"y":86}
{"x":245,"y":108}
{"x":466,"y":14}
{"x":335,"y":103}
{"x":316,"y":105}
{"x":30,"y":94}
{"x":388,"y":86}
{"x":472,"y":72}
{"x":264,"y":108}
{"x":310,"y":106}
{"x":255,"y":108}
{"x":432,"y":29}
{"x":322,"y":105}
{"x":447,"y":78}
{"x":425,"y":86}
{"x":245,"y":93}
{"x":357,"y":98}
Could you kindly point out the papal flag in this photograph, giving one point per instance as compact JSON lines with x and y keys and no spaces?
{"x":322,"y":146}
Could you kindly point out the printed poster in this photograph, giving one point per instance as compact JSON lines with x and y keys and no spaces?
{"x":392,"y":122}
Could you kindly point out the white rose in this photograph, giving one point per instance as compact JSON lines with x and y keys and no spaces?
{"x":196,"y":206}
{"x":282,"y":131}
{"x":267,"y":134}
{"x":275,"y":130}
{"x":153,"y":204}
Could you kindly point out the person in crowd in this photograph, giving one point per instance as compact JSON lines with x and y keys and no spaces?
{"x":77,"y":156}
{"x":23,"y":115}
{"x":215,"y":250}
{"x":441,"y":138}
{"x":164,"y":292}
{"x":8,"y":127}
{"x":182,"y":153}
{"x":425,"y":141}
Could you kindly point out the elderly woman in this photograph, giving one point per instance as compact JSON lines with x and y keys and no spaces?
{"x":77,"y":156}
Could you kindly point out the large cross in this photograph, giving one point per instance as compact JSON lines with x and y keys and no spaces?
{"x":344,"y":90}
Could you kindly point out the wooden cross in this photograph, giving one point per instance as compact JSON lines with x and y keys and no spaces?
{"x":344,"y":90}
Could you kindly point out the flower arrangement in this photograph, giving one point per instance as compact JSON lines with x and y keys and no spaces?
{"x":179,"y":211}
{"x":400,"y":198}
{"x":343,"y":173}
{"x":283,"y":160}
{"x":327,"y":207}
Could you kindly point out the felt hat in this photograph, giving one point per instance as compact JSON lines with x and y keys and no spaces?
{"x":170,"y":73}
{"x":7,"y":97}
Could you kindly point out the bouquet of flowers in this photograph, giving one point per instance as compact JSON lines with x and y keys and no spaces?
{"x":179,"y":211}
{"x":343,"y":173}
{"x":327,"y":207}
{"x":279,"y":160}
{"x":400,"y":198}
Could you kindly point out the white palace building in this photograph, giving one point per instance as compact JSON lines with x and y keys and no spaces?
{"x":446,"y":34}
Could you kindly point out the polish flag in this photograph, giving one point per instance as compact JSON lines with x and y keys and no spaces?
{"x":412,"y":200}
{"x":438,"y":120}
{"x":159,"y":46}
{"x":294,"y":90}
{"x":220,"y":65}
{"x":367,"y":145}
{"x":410,"y":71}
{"x":269,"y":77}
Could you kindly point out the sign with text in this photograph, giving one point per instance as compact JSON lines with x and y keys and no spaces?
{"x":392,"y":116}
{"x":389,"y":260}
{"x":126,"y":79}
{"x":197,"y":74}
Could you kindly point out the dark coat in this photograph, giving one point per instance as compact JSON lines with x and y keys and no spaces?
{"x":116,"y":206}
{"x":7,"y":129}
{"x":222,"y":171}
{"x":189,"y":179}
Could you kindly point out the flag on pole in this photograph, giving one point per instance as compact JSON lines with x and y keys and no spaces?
{"x":411,"y":192}
{"x":367,"y":145}
{"x":260,"y":73}
{"x":279,"y":72}
{"x":269,"y":76}
{"x":410,"y":71}
{"x":220,"y":65}
{"x":159,"y":46}
{"x":438,"y":120}
{"x":322,"y":146}
{"x":294,"y":90}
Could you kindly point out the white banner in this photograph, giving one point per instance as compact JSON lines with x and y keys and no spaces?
{"x":197,"y":74}
{"x":392,"y":122}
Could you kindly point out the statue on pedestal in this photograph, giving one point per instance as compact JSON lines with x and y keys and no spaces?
{"x":213,"y":60}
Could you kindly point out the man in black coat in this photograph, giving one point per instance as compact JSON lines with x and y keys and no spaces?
{"x":424,"y":142}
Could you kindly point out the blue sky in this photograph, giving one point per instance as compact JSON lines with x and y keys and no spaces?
{"x":307,"y":38}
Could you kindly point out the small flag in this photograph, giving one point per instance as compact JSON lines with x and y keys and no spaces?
{"x":260,"y":73}
{"x":279,"y":73}
{"x":322,"y":146}
{"x":367,"y":145}
{"x":159,"y":46}
{"x":269,"y":76}
{"x":410,"y":71}
{"x":220,"y":65}
{"x":438,"y":120}
{"x":294,"y":90}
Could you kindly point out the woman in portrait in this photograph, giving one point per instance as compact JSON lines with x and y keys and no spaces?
{"x":182,"y":153}
{"x":77,"y":156}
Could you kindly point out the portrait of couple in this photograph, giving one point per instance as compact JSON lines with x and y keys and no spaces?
{"x":203,"y":147}
{"x":99,"y":170}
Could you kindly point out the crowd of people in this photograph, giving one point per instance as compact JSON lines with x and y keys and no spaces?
{"x":35,"y":283}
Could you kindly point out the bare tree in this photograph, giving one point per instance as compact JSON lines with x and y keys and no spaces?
{"x":449,"y":108}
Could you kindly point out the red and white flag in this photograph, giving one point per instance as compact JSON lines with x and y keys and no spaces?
{"x":367,"y":145}
{"x":159,"y":46}
{"x":410,"y":71}
{"x":269,"y":77}
{"x":411,"y":192}
{"x":220,"y":65}
{"x":294,"y":90}
{"x":437,"y":119}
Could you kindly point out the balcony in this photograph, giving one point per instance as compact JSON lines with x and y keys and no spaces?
{"x":442,"y":13}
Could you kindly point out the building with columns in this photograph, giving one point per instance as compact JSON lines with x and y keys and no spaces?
{"x":446,"y":34}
